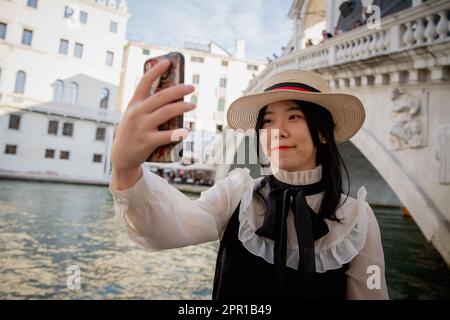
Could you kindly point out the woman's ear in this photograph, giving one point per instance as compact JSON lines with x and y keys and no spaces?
{"x":322,"y":139}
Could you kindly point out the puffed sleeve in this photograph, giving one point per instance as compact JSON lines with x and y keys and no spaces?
{"x":366,"y":274}
{"x":158,"y":216}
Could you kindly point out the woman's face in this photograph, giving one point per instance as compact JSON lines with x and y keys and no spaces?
{"x":286,"y":126}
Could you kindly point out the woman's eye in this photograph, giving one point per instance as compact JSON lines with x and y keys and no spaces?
{"x":265,"y":121}
{"x":295,"y":115}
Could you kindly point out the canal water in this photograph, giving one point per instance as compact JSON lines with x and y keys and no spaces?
{"x":50,"y":233}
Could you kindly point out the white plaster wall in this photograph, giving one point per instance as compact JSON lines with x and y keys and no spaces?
{"x":42,"y":62}
{"x":32,"y":139}
{"x":43,"y":65}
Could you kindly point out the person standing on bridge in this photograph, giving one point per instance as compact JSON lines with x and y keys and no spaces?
{"x":290,"y":234}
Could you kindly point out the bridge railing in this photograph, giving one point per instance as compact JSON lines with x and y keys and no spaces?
{"x":419,"y":26}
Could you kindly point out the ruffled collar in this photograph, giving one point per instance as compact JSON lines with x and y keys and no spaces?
{"x":297,"y":177}
{"x":338,"y":247}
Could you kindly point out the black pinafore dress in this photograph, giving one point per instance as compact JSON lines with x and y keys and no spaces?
{"x":241,"y":275}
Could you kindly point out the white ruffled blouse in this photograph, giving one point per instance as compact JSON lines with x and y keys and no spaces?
{"x":158,"y":216}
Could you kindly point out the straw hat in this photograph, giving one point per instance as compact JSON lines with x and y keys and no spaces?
{"x":347,"y":110}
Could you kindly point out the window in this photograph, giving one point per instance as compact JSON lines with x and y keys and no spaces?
{"x":195,"y":79}
{"x":145,"y":52}
{"x":197,"y":59}
{"x":190,"y":125}
{"x":104,"y":97}
{"x":224,"y":63}
{"x":32,"y":3}
{"x":72,"y":96}
{"x":190,"y":145}
{"x":194,"y":99}
{"x":3,"y":28}
{"x":52,"y":127}
{"x":109,"y":58}
{"x":221,"y":104}
{"x":27,"y":37}
{"x":252,"y":67}
{"x":50,"y":153}
{"x":64,"y":155}
{"x":78,"y":52}
{"x":97,"y":158}
{"x":113,"y":26}
{"x":58,"y":90}
{"x":223,"y":83}
{"x":10,"y":149}
{"x":21,"y":78}
{"x":100,"y":134}
{"x":63,"y":46}
{"x":68,"y":129}
{"x":68,"y":12}
{"x":83,"y":17}
{"x":14,"y":121}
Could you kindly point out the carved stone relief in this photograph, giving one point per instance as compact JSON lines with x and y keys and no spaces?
{"x":408,"y":125}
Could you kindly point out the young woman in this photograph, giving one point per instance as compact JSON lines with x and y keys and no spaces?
{"x":291,"y":234}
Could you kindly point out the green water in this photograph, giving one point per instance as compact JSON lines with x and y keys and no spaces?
{"x":46,"y":227}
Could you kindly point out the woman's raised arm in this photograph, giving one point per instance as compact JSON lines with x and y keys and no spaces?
{"x":158,"y":216}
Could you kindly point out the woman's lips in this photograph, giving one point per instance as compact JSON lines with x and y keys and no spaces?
{"x":282,"y":148}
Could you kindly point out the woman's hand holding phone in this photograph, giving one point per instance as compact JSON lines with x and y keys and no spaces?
{"x":137,"y":135}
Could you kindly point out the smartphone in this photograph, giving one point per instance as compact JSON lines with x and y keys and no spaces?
{"x":173,"y":76}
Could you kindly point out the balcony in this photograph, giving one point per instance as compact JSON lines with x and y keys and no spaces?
{"x":416,"y":28}
{"x":17,"y":101}
{"x":20,"y":102}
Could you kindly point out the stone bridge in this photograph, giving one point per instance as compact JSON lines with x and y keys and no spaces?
{"x":401,"y":72}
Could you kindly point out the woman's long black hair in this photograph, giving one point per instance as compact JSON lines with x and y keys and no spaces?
{"x":319,"y":121}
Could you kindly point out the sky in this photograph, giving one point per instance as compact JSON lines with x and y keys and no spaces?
{"x":263,"y":24}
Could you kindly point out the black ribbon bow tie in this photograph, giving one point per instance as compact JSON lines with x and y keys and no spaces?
{"x":309,"y":225}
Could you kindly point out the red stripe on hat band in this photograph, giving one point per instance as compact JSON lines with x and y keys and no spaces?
{"x":291,"y":88}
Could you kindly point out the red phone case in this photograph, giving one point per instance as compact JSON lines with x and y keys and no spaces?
{"x":173,"y":76}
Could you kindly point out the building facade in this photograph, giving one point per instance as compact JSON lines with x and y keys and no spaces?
{"x":60,"y":63}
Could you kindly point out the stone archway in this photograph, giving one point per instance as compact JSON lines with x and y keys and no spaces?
{"x":428,"y":217}
{"x":361,"y":172}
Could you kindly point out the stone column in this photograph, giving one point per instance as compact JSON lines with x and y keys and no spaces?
{"x":331,"y":15}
